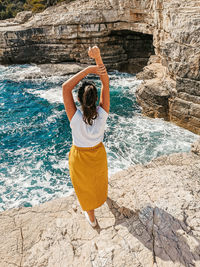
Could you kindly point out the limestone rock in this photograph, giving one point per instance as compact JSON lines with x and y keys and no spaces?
{"x":151,"y":218}
{"x":63,"y":34}
{"x":177,"y":44}
{"x":128,"y":33}
{"x":196,"y":147}
{"x":23,"y":16}
{"x":154,"y":93}
{"x":59,"y":69}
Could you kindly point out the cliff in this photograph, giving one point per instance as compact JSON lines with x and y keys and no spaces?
{"x":151,"y":216}
{"x":171,"y":87}
{"x":64,"y":33}
{"x":128,"y":33}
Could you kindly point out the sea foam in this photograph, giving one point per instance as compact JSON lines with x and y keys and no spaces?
{"x":35,"y":137}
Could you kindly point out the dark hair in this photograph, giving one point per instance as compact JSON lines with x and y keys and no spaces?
{"x":87,"y":94}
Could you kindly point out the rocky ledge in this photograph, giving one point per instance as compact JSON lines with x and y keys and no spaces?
{"x":151,"y":217}
{"x":49,"y":70}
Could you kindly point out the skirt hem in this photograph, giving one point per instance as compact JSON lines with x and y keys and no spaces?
{"x":97,"y":206}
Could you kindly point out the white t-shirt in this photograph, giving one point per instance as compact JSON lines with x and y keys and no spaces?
{"x":85,"y":135}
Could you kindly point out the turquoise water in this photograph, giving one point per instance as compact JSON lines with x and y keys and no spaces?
{"x":35,"y":136}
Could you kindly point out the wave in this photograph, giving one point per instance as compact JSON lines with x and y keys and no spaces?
{"x":35,"y":136}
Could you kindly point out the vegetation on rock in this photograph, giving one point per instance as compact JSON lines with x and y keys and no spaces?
{"x":10,"y":8}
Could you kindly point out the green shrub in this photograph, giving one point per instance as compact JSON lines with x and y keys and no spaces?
{"x":38,"y":7}
{"x":35,"y":5}
{"x":9,"y":8}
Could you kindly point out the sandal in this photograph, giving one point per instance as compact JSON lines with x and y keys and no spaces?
{"x":88,"y":218}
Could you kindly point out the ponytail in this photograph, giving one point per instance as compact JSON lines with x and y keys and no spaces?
{"x":87,"y":94}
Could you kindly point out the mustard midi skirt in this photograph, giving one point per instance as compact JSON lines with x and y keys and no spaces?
{"x":89,"y":175}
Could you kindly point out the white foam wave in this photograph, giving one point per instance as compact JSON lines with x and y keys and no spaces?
{"x":128,"y":140}
{"x":122,"y":82}
{"x":52,"y":95}
{"x":140,"y":139}
{"x":34,"y":184}
{"x":17,"y":72}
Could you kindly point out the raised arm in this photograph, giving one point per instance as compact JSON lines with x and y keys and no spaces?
{"x":69,"y":85}
{"x":104,"y":102}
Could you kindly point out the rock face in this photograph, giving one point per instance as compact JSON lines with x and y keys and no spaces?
{"x":128,"y":33}
{"x":64,"y":33}
{"x":124,"y":30}
{"x":151,"y":216}
{"x":174,"y":90}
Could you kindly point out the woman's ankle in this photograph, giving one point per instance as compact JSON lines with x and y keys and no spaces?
{"x":91,"y":215}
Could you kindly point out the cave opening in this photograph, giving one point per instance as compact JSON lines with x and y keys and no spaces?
{"x":130,"y":50}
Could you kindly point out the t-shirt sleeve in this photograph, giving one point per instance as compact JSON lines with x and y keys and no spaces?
{"x":75,"y":118}
{"x":103,"y":114}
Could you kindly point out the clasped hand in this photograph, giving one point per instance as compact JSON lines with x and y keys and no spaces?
{"x":99,"y":69}
{"x":94,"y":52}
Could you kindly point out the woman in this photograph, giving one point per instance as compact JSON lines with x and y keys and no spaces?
{"x":87,"y":157}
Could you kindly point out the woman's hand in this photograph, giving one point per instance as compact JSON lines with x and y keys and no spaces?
{"x":97,"y":69}
{"x":94,"y":52}
{"x":101,"y":70}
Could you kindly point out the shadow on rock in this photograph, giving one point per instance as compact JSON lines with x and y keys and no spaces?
{"x":168,"y":238}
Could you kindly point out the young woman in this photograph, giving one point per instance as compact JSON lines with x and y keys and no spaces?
{"x":87,"y":157}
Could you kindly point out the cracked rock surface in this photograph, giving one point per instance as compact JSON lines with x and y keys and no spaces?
{"x":151,"y":218}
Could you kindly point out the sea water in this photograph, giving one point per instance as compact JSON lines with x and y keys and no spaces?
{"x":35,"y":136}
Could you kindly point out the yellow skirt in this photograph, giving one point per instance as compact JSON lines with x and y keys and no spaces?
{"x":89,"y":175}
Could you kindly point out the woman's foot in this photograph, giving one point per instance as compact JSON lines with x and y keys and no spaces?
{"x":90,"y":217}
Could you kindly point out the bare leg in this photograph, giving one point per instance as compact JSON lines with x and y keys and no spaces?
{"x":91,"y":215}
